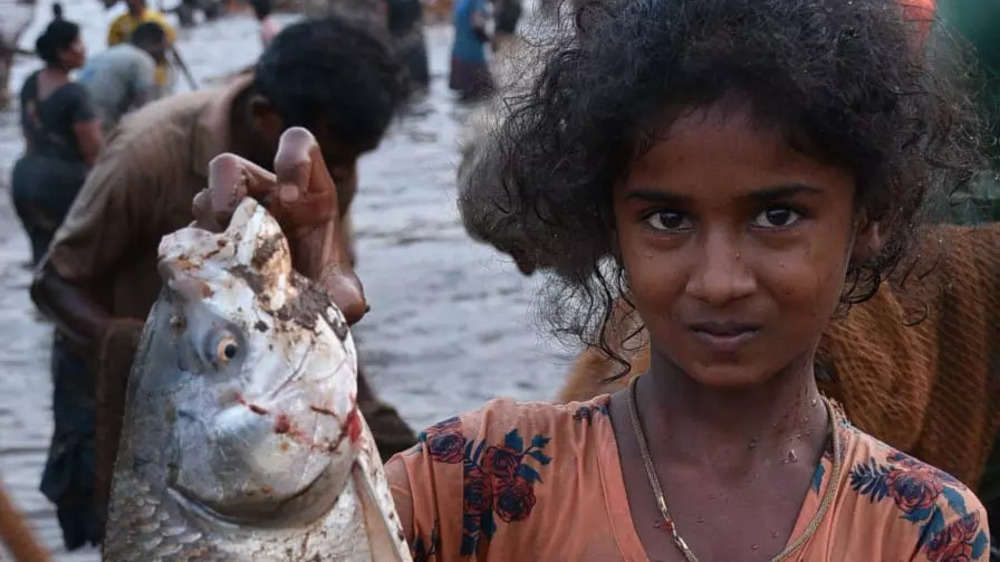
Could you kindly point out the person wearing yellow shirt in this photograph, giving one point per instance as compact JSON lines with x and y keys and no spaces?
{"x":138,"y":13}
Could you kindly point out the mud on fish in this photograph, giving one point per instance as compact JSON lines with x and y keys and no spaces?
{"x":242,"y":437}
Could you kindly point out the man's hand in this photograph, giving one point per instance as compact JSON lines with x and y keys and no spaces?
{"x":302,"y":197}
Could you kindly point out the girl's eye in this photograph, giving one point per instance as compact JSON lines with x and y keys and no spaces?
{"x":668,"y":221}
{"x":776,"y":217}
{"x":226,"y":349}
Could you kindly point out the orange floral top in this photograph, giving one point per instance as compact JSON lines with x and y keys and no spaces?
{"x":536,"y":481}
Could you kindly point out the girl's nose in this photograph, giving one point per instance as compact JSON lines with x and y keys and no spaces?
{"x":721,"y":274}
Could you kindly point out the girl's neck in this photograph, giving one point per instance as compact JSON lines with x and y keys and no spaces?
{"x":781,"y":420}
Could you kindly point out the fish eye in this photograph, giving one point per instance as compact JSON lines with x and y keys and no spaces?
{"x":226,"y":349}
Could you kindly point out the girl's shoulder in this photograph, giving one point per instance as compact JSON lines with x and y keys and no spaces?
{"x":908,"y":496}
{"x":517,"y":427}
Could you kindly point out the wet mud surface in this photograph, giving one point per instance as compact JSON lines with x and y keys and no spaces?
{"x":452,"y":322}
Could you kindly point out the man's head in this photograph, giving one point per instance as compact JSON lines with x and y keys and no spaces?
{"x":333,"y":77}
{"x":151,"y":38}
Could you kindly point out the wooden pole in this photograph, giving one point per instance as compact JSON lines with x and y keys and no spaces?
{"x":16,"y":534}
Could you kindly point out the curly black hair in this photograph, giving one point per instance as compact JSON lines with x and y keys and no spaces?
{"x":849,"y":82}
{"x":335,"y":69}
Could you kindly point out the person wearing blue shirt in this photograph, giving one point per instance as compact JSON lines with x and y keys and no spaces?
{"x":470,"y":73}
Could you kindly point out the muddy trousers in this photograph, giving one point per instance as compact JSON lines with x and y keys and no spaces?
{"x":68,"y":478}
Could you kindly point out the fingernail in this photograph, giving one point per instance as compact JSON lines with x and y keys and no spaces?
{"x":289,"y":193}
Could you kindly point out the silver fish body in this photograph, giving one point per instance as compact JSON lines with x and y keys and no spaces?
{"x":242,"y":438}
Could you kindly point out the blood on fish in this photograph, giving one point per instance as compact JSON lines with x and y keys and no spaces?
{"x":353,"y":425}
{"x":282,"y":425}
{"x":253,"y":407}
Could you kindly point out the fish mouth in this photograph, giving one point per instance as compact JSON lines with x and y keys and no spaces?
{"x":305,"y":506}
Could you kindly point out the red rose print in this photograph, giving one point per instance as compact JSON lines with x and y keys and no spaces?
{"x":913,"y":488}
{"x":445,"y":442}
{"x":514,"y":499}
{"x":477,"y":491}
{"x":447,"y":447}
{"x":501,"y":462}
{"x":954,"y":542}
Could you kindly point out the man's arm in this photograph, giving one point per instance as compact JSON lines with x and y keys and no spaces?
{"x":72,"y":307}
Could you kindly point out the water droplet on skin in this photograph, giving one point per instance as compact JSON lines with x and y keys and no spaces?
{"x":774,"y":534}
{"x":813,"y":402}
{"x":792,"y":457}
{"x":752,"y":444}
{"x":754,"y":546}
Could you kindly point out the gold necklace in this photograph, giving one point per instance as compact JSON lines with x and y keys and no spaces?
{"x":661,"y":500}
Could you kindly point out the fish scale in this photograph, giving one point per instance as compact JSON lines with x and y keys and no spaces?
{"x":242,"y":438}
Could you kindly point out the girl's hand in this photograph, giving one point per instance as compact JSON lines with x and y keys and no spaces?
{"x":302,"y":196}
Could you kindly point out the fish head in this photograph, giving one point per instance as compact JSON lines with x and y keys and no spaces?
{"x":249,"y":376}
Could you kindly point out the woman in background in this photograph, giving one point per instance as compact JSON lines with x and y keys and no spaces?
{"x":62,"y":135}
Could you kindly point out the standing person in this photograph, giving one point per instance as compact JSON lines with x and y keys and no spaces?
{"x":470,"y":74}
{"x":63,"y":137}
{"x":268,"y":27}
{"x":100,"y":278}
{"x":123,"y":77}
{"x":122,"y":27}
{"x":703,"y":159}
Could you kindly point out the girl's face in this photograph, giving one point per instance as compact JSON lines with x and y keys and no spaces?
{"x":73,"y":56}
{"x":736,"y":247}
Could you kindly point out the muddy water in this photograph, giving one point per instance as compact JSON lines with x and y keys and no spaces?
{"x":451,"y":325}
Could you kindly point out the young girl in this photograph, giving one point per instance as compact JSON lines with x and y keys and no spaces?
{"x":737,"y":171}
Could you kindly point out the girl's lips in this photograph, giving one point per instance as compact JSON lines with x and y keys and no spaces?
{"x":724,"y":337}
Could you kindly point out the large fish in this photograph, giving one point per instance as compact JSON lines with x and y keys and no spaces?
{"x":242,"y":437}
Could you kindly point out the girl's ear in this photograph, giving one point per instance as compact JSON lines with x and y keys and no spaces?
{"x":867,"y":242}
